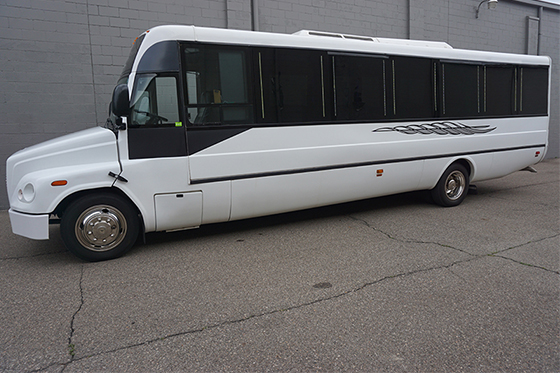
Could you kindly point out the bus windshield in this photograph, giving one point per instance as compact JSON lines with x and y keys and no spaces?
{"x":132,"y":56}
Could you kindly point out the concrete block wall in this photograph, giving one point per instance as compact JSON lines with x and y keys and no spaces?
{"x":550,"y":46}
{"x":60,"y":59}
{"x":383,"y":17}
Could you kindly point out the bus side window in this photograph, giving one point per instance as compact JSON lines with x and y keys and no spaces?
{"x":499,"y":90}
{"x":155,"y":101}
{"x":359,"y":87}
{"x":461,"y":95}
{"x":216,"y":86}
{"x":155,"y":128}
{"x":299,"y":86}
{"x":413,"y":88}
{"x":533,"y":87}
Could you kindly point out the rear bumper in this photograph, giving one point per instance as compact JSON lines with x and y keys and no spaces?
{"x":31,"y":226}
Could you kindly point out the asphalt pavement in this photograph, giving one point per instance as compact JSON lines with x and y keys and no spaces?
{"x":392,"y":284}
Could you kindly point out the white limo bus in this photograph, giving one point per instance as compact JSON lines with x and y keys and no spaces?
{"x":210,"y":125}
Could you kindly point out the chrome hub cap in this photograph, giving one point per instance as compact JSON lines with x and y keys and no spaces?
{"x":455,"y":185}
{"x":101,"y":228}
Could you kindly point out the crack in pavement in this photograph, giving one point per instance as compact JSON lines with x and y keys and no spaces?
{"x":72,"y":329}
{"x":493,"y":254}
{"x":409,"y":240}
{"x":525,"y":264}
{"x":272,"y":312}
{"x":354,"y":290}
{"x":526,"y":243}
{"x":496,"y":253}
{"x":71,"y":345}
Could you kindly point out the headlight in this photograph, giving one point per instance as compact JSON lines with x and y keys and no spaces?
{"x":27,"y":194}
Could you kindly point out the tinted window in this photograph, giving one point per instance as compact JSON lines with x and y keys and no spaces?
{"x":499,"y":92}
{"x":359,"y":85}
{"x":218,"y":91}
{"x":534,"y":90}
{"x":460,"y":90}
{"x":413,"y":87}
{"x":162,"y":56}
{"x":298,"y":85}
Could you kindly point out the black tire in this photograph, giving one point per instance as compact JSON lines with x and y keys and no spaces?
{"x":452,"y":187}
{"x":114,"y":227}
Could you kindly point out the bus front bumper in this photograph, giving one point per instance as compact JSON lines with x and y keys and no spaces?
{"x":31,"y":226}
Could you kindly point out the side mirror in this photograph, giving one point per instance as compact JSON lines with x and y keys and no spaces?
{"x":120,"y":103}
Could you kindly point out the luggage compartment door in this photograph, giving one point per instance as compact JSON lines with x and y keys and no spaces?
{"x":178,"y":210}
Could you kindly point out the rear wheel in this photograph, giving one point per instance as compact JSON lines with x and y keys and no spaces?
{"x":99,"y":227}
{"x":452,"y":187}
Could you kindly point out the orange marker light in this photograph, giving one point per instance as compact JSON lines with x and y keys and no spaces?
{"x":59,"y":183}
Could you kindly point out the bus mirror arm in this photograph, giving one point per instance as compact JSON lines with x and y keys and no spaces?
{"x":120,"y":125}
{"x":120,"y":104}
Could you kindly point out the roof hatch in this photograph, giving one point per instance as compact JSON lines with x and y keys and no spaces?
{"x":415,"y":43}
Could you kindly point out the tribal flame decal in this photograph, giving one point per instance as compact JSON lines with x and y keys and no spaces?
{"x":438,"y":128}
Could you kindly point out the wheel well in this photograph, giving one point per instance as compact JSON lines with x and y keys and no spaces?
{"x":465,"y":164}
{"x":59,"y":210}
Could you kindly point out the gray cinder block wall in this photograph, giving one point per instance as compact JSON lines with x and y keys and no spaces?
{"x":60,"y":59}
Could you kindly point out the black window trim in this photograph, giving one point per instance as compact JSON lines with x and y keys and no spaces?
{"x":330,"y":90}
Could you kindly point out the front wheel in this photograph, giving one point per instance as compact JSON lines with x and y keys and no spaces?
{"x":99,"y":227}
{"x":452,"y":187}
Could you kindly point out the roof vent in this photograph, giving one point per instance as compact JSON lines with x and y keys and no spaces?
{"x":415,"y":43}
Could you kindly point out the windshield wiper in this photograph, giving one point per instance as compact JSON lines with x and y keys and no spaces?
{"x":159,"y":119}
